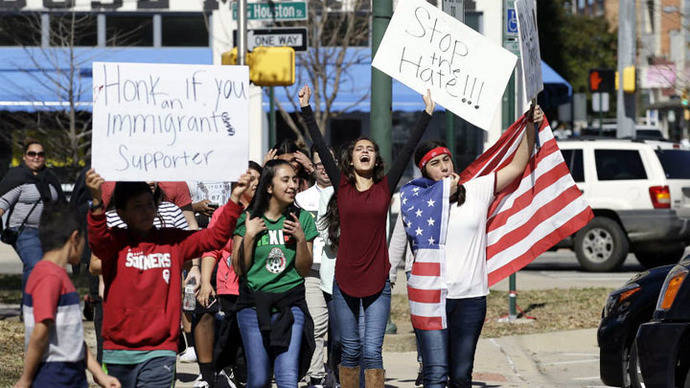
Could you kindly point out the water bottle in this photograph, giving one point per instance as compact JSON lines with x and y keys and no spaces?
{"x":189,"y":301}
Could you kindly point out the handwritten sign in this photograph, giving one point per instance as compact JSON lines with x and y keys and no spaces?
{"x":424,"y":48}
{"x":163,"y":122}
{"x":529,"y":47}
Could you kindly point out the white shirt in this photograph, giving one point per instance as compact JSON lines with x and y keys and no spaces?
{"x":309,"y":200}
{"x":466,"y":272}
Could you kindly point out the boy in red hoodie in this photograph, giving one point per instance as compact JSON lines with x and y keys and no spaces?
{"x":142,"y":273}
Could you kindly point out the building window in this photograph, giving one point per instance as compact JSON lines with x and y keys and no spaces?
{"x":184,"y":30}
{"x":80,"y":28}
{"x":20,"y":30}
{"x":129,"y":30}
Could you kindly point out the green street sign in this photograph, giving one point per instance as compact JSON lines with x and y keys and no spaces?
{"x":274,"y":10}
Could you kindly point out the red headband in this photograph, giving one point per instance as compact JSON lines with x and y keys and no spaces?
{"x":432,"y":154}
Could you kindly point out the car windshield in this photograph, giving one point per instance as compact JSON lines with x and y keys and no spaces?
{"x":649,"y":134}
{"x":676,"y":163}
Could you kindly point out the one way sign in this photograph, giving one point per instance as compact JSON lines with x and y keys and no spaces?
{"x":276,"y":37}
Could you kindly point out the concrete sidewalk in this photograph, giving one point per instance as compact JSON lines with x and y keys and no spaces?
{"x":558,"y":359}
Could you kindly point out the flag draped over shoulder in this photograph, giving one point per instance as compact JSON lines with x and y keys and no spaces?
{"x":532,"y":214}
{"x":424,"y":204}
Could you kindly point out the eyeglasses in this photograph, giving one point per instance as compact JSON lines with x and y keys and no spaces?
{"x":318,"y":165}
{"x":33,"y":154}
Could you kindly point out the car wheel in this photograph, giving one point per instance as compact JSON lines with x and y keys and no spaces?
{"x":601,"y":245}
{"x":631,"y":365}
{"x":650,"y":259}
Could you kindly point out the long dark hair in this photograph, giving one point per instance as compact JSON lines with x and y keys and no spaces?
{"x":422,"y":150}
{"x":259,"y":204}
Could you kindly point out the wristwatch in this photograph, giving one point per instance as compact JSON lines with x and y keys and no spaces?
{"x":95,"y":206}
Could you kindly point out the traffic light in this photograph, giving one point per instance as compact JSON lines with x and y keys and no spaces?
{"x":629,"y":79}
{"x":601,"y":80}
{"x":268,"y":66}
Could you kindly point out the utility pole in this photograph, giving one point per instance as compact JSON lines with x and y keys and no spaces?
{"x":625,"y":112}
{"x":381,"y":117}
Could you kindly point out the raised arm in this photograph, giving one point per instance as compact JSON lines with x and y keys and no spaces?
{"x":398,"y":166}
{"x":321,"y":147}
{"x":104,"y":244}
{"x":516,"y":167}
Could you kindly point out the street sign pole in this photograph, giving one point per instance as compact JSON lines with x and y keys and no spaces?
{"x":272,"y":118}
{"x":512,"y":109}
{"x":241,"y":32}
{"x":601,"y":114}
{"x":381,"y":84}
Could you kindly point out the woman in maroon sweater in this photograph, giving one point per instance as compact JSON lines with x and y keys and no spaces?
{"x":363,"y":195}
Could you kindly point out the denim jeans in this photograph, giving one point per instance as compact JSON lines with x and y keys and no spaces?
{"x":376,"y":310}
{"x":448,"y":355}
{"x":285,"y":365}
{"x":28,"y":248}
{"x":333,"y":344}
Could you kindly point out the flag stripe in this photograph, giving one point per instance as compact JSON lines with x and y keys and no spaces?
{"x":424,"y":296}
{"x":428,"y":323}
{"x":426,"y":269}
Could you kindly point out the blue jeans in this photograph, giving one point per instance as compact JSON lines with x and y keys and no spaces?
{"x":29,"y":249}
{"x":285,"y":365}
{"x":376,"y":310}
{"x":158,"y":372}
{"x":451,"y":351}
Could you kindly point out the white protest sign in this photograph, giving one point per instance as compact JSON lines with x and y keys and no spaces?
{"x":529,"y":47}
{"x":164,"y":122}
{"x":425,"y":48}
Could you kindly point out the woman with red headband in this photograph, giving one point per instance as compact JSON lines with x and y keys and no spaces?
{"x":362,"y":197}
{"x":448,"y":354}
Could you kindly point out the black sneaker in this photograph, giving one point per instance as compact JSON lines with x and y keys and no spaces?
{"x":316,"y":383}
{"x":420,"y":379}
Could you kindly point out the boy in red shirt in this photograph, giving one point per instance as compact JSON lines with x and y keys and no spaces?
{"x":141,"y":268}
{"x":56,"y":354}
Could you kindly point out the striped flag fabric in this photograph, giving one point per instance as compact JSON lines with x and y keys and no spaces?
{"x":536,"y":211}
{"x":527,"y":218}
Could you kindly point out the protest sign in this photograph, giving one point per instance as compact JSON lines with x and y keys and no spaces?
{"x":164,"y":122}
{"x":425,"y":48}
{"x":529,"y":47}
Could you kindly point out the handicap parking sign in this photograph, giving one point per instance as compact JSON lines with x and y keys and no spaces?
{"x":511,"y":21}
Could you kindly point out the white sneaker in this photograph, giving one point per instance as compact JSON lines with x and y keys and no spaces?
{"x":189,"y":355}
{"x":199,"y":383}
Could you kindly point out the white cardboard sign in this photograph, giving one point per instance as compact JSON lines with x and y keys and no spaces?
{"x":529,"y":47}
{"x":425,"y":48}
{"x":164,"y":122}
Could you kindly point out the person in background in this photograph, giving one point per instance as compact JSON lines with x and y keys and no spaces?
{"x":24,"y":191}
{"x":288,"y":151}
{"x":218,"y":294}
{"x":309,"y":200}
{"x":55,"y":352}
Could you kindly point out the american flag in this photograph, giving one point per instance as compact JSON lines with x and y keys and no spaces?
{"x":528,"y":217}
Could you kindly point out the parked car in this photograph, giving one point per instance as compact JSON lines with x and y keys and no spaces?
{"x":625,"y":310}
{"x":640,"y":195}
{"x":663,"y":345}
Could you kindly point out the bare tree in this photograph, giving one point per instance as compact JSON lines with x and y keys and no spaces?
{"x":335,"y":27}
{"x":61,"y":71}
